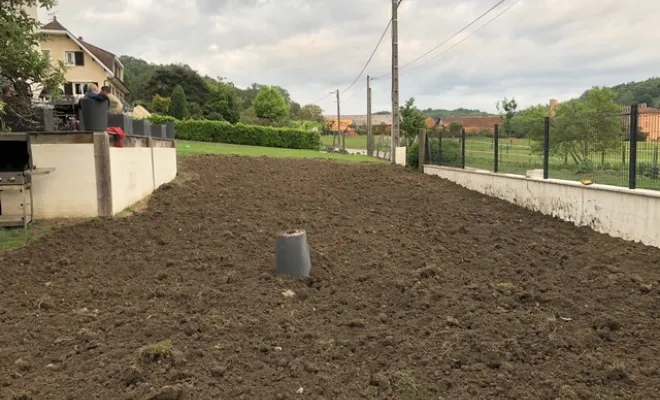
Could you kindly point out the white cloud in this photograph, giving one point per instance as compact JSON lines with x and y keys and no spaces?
{"x":537,"y":50}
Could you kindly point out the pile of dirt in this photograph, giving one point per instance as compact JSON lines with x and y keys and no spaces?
{"x":420,"y":290}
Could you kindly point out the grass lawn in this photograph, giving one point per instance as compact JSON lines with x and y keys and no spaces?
{"x":185,"y":147}
{"x":17,"y":237}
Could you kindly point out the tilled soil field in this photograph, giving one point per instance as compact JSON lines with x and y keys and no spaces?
{"x":420,"y":290}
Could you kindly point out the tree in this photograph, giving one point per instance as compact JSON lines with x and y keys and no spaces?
{"x":507,"y":109}
{"x":311,"y":112}
{"x":412,"y":120}
{"x":270,"y":104}
{"x":137,"y":73}
{"x":294,"y":110}
{"x":222,"y":103}
{"x":160,"y":104}
{"x":179,"y":103}
{"x":455,"y":127}
{"x":166,"y":77}
{"x":22,"y":65}
{"x":585,"y":126}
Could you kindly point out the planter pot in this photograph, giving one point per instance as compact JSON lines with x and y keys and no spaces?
{"x":169,"y":130}
{"x":93,"y":115}
{"x":158,"y":131}
{"x":122,"y":121}
{"x":141,"y":127}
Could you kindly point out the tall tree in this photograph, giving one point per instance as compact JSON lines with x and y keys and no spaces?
{"x":507,"y":109}
{"x":179,"y":103}
{"x":311,"y":112}
{"x":23,"y":67}
{"x":222,"y":102}
{"x":166,"y":77}
{"x":270,"y":104}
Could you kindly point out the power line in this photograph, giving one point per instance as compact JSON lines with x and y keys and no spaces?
{"x":322,"y":98}
{"x":372,"y":55}
{"x":449,"y":38}
{"x":470,"y":34}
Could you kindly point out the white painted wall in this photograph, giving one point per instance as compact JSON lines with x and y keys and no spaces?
{"x":164,"y":162}
{"x":400,"y":153}
{"x":68,"y":192}
{"x":132,"y":176}
{"x":619,"y":212}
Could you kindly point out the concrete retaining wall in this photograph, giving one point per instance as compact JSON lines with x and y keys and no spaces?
{"x":91,"y":177}
{"x":619,"y":212}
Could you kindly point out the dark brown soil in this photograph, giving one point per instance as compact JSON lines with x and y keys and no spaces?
{"x":421,"y":290}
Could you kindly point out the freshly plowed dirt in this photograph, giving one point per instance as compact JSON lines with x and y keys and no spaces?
{"x":420,"y":290}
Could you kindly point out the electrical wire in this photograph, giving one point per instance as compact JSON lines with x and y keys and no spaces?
{"x":500,"y":2}
{"x":465,"y":38}
{"x":372,"y":54}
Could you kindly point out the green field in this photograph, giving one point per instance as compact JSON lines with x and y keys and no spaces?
{"x":187,"y":148}
{"x":516,"y":156}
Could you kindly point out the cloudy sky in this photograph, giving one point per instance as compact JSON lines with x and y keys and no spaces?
{"x":537,"y":50}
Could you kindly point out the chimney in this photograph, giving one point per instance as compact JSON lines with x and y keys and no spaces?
{"x":553,"y":107}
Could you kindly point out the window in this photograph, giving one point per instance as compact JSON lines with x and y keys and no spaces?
{"x":74,"y":58}
{"x":76,"y":88}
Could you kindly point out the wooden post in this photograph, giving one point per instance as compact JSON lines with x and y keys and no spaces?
{"x":370,"y":134}
{"x":103,"y":174}
{"x":422,"y":149}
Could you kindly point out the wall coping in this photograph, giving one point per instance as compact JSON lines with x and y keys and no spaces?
{"x":87,"y":137}
{"x":607,"y":188}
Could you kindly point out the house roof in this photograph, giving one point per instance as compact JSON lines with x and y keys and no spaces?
{"x":105,"y":58}
{"x":360,"y":120}
{"x":472,"y":122}
{"x":54,"y":25}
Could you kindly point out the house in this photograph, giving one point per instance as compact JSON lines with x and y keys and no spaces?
{"x":85,"y":62}
{"x":648,"y":119}
{"x":471,"y":124}
{"x":382,"y":124}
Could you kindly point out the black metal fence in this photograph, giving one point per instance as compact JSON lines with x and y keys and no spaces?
{"x":620,"y":149}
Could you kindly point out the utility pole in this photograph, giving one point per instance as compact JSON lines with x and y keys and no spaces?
{"x":395,"y":80}
{"x":339,"y":132}
{"x":370,"y":135}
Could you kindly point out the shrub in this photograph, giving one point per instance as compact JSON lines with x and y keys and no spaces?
{"x":160,"y":119}
{"x":451,"y":153}
{"x":251,"y":135}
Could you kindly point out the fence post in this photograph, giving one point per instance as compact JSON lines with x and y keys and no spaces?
{"x":463,"y":148}
{"x":440,"y":148}
{"x":427,"y":145}
{"x":546,"y":147}
{"x":496,"y":146}
{"x":421,"y":147}
{"x":632,"y":167}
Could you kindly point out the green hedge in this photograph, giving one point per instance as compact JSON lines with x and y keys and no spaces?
{"x":250,"y":135}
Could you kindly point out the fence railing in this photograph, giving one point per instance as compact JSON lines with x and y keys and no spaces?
{"x":620,"y":149}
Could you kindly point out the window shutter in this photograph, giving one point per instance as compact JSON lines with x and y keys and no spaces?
{"x":68,"y":89}
{"x":80,"y":58}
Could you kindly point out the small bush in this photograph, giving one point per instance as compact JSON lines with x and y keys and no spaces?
{"x":451,"y":154}
{"x":251,"y":135}
{"x":586,"y":166}
{"x":160,"y":119}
